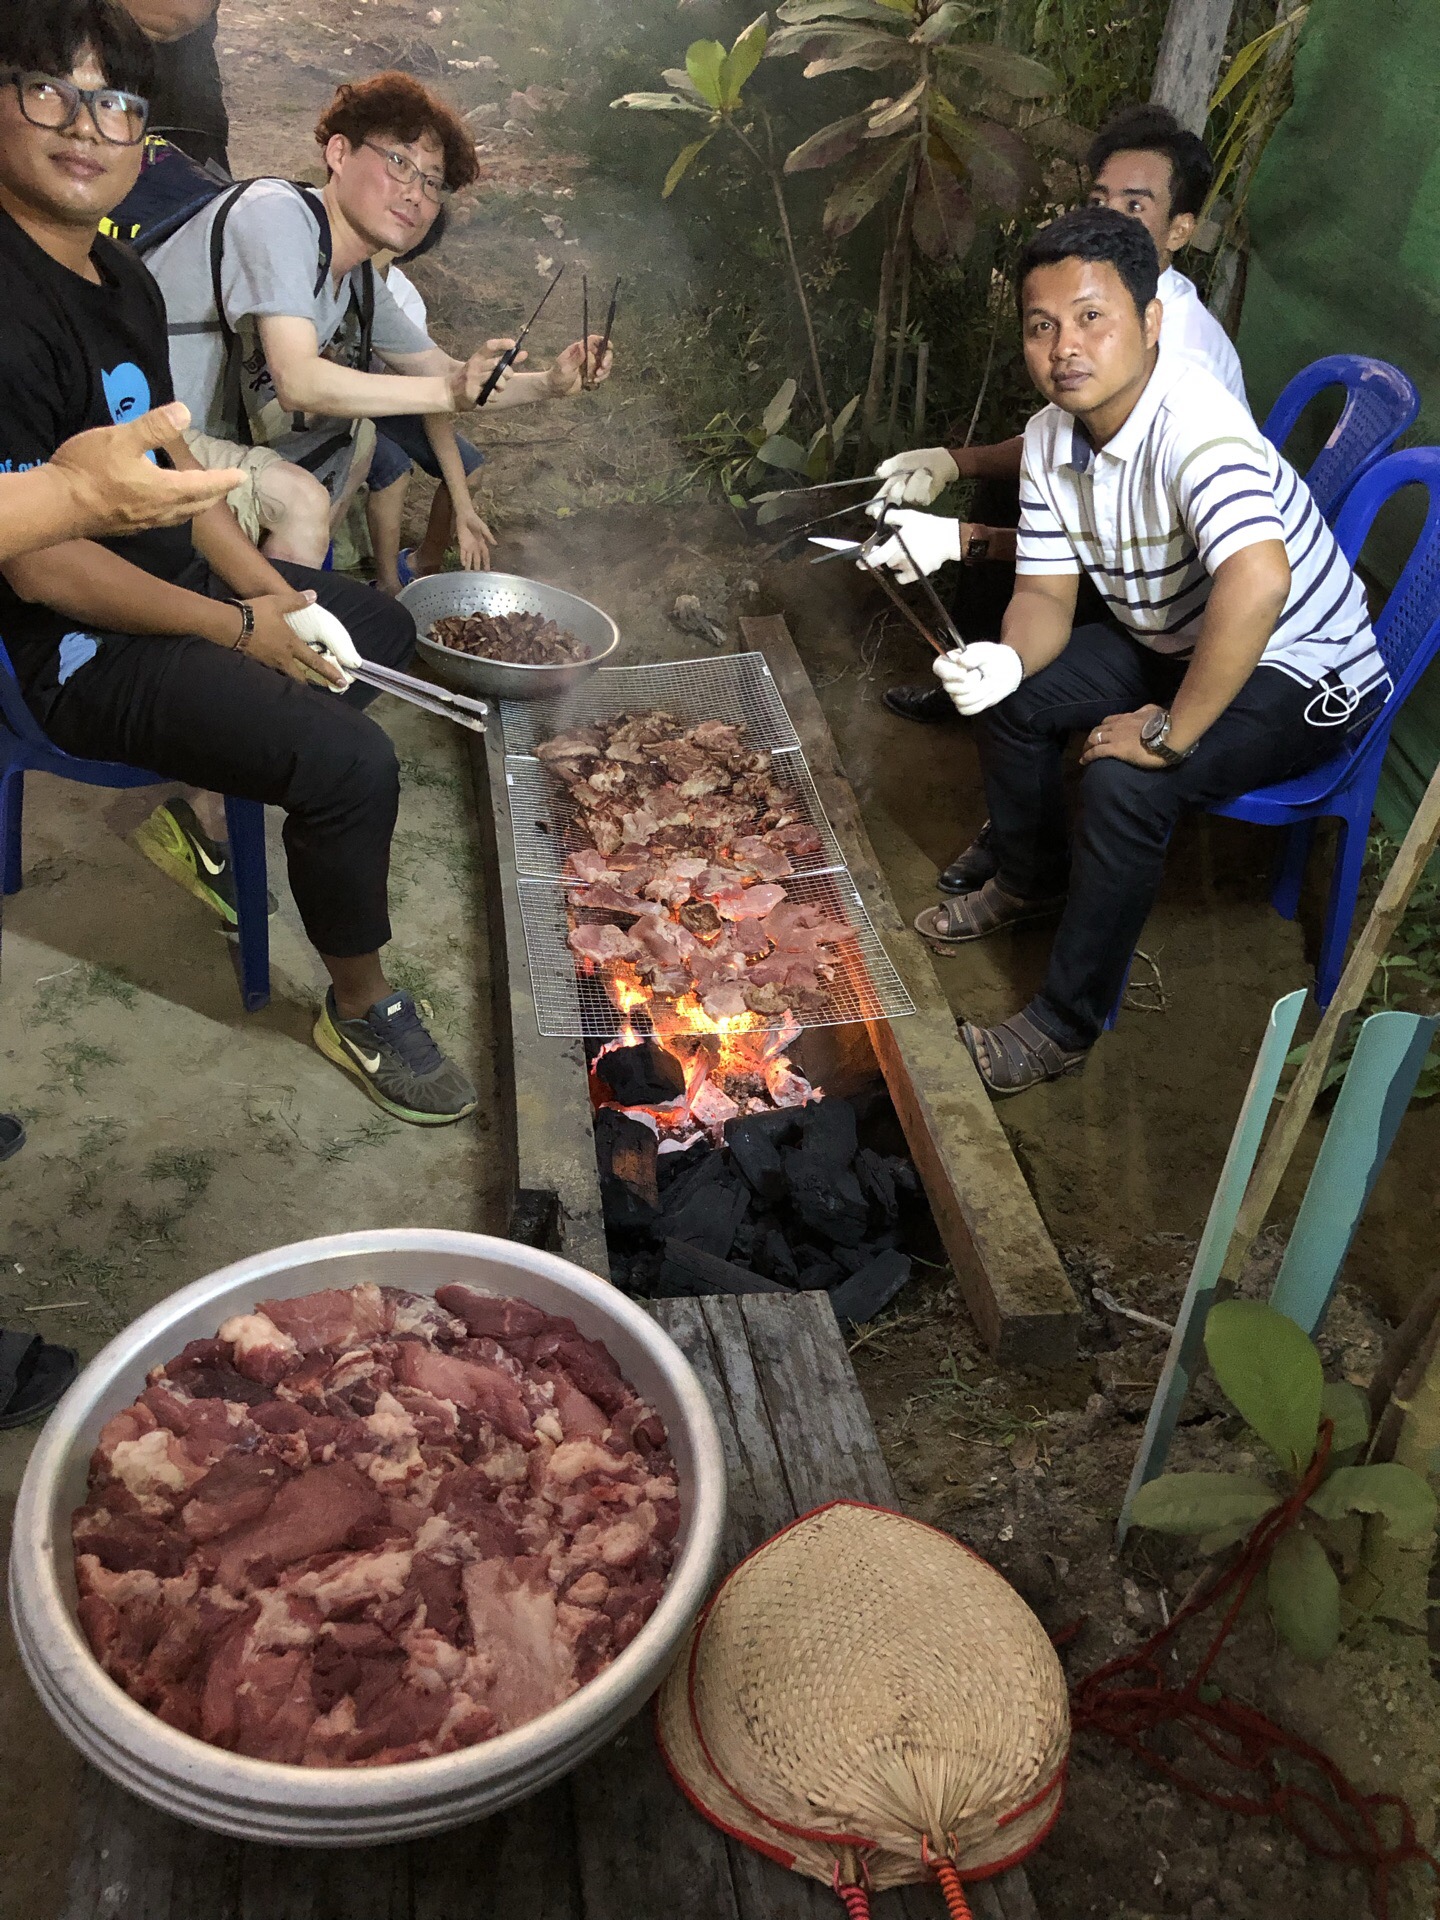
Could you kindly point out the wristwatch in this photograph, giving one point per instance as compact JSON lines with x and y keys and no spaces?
{"x":977,"y":547}
{"x":1153,"y":735}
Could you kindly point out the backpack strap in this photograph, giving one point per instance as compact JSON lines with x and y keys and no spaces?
{"x":232,"y":400}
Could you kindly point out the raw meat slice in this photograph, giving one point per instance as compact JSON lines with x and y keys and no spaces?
{"x":569,"y":746}
{"x":756,"y":855}
{"x":608,"y":899}
{"x":313,"y":1514}
{"x":602,"y":942}
{"x":513,"y":1616}
{"x":335,"y":1317}
{"x":724,"y":1002}
{"x":586,"y":864}
{"x":749,"y":903}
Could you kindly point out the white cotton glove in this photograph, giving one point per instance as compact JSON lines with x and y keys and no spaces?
{"x":325,"y":634}
{"x":981,"y":676}
{"x":916,"y":478}
{"x":931,"y":540}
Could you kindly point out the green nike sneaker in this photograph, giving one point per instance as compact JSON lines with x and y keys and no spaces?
{"x":173,"y":840}
{"x":390,"y":1052}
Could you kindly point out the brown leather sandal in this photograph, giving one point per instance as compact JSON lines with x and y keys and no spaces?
{"x":988,"y":909}
{"x":1017,"y":1054}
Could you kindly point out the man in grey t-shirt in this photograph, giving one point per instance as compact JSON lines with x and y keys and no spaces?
{"x":394,"y":152}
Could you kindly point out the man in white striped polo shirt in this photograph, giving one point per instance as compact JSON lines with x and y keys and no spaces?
{"x":1238,"y":651}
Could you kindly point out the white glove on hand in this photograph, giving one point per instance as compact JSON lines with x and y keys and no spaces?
{"x":916,"y":478}
{"x":980,"y":677}
{"x":325,"y":634}
{"x":931,"y":540}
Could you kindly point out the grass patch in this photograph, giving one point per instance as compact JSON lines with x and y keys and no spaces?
{"x":193,"y":1170}
{"x":412,"y":976}
{"x":78,"y":1059}
{"x":96,"y":1274}
{"x":148,"y":1226}
{"x":61,"y":997}
{"x":371,"y":1134}
{"x":426,"y":777}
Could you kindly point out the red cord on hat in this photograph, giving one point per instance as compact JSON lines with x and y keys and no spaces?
{"x":857,"y":1900}
{"x":956,"y":1905}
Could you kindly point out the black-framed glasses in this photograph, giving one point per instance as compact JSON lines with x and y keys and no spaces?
{"x":405,"y":173}
{"x":119,"y":117}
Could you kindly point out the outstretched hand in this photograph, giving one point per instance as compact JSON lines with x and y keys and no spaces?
{"x":474,"y":539}
{"x":468,"y":381}
{"x":578,"y":363}
{"x":114,"y":487}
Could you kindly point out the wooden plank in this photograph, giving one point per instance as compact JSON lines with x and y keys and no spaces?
{"x":553,"y":1180}
{"x":331,"y":1883}
{"x":1004,"y":1260}
{"x":131,"y":1862}
{"x":518,"y":1865}
{"x":1188,"y":63}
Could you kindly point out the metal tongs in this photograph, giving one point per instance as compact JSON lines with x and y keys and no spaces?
{"x":860,"y":551}
{"x":445,"y":705}
{"x":508,"y":358}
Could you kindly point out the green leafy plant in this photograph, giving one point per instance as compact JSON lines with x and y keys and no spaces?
{"x":712,"y":84}
{"x":1270,"y":1371}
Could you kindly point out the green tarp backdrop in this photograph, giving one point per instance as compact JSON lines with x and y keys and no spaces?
{"x":1345,"y":220}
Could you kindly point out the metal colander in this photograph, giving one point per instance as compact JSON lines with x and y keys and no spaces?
{"x":870,"y":1703}
{"x":440,"y":594}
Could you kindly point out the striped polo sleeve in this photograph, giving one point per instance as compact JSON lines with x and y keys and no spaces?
{"x":1042,"y":544}
{"x":1225,"y":490}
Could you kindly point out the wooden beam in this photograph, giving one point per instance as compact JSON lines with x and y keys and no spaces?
{"x":1004,"y":1260}
{"x":1188,"y":64}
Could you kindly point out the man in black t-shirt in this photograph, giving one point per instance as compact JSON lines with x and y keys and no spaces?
{"x":187,"y":102}
{"x":171,"y":650}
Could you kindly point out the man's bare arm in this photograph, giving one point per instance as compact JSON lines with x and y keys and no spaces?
{"x":1000,"y":462}
{"x":169,"y":19}
{"x":1247,"y":597}
{"x":96,"y":588}
{"x":306,"y":382}
{"x":1039,"y":618}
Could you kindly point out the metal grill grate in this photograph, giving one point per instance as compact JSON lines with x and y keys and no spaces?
{"x":737,"y":687}
{"x":570,"y":1003}
{"x":734,"y":687}
{"x":548,"y":825}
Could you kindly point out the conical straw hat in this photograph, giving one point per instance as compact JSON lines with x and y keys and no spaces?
{"x":865,"y":1685}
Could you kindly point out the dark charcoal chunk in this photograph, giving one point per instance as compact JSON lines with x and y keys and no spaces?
{"x":826,"y":1197}
{"x":701,"y":1169}
{"x":690,"y":1270}
{"x":865,"y":1293}
{"x":708,"y":1217}
{"x":829,"y":1131}
{"x":877,"y":1182}
{"x":772,"y":1255}
{"x":672,"y":1165}
{"x":851,"y":1259}
{"x":780,"y":1126}
{"x":625,"y":1150}
{"x":643,"y":1076}
{"x":753,"y":1151}
{"x":817,"y":1274}
{"x":902,"y":1171}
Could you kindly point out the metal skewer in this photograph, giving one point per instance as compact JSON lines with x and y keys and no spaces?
{"x":507,"y":359}
{"x":609,"y":329}
{"x":947,"y":624}
{"x":585,"y":379}
{"x":825,"y":486}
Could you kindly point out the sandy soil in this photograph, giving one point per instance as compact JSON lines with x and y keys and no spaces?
{"x":170,"y":1133}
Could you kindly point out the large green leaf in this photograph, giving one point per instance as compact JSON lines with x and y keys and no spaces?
{"x":778,"y":411}
{"x":1202,"y":1502}
{"x":1056,"y":134}
{"x":823,"y":40}
{"x":1387,"y":1488}
{"x":876,"y":51}
{"x":843,"y":419}
{"x":1270,"y":1371}
{"x":742,"y":60}
{"x":704,"y":60}
{"x":781,"y":451}
{"x":864,"y":186}
{"x":832,"y":143}
{"x":677,"y":78}
{"x":1304,"y":1596}
{"x":1349,"y":1409}
{"x":1001,"y":168}
{"x":894,"y":114}
{"x":941,"y":24}
{"x":658,"y":103}
{"x":681,"y":164}
{"x":943,"y":220}
{"x":1013,"y":73}
{"x":800,"y":12}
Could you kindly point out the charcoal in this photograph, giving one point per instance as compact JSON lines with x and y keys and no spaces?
{"x":690,"y":1270}
{"x":877,"y":1183}
{"x":772,"y":1255}
{"x":906,"y":1179}
{"x":828,"y":1131}
{"x":744,"y":1243}
{"x":709,"y":1216}
{"x":826,"y":1198}
{"x":851,"y":1259}
{"x":670,"y":1166}
{"x":701,"y":1170}
{"x":642,"y":1076}
{"x":872,"y":1288}
{"x":817,"y":1274}
{"x":625,"y":1150}
{"x":779,"y":1125}
{"x":753,"y":1152}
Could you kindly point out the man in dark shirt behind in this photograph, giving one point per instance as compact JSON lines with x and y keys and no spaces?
{"x":187,"y":103}
{"x":174,"y":650}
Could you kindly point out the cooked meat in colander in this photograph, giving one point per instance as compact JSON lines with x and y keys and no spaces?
{"x":368,"y":1526}
{"x":521,"y":639}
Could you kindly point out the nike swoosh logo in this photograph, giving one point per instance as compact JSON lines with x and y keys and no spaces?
{"x":370,"y":1062}
{"x":212,"y":867}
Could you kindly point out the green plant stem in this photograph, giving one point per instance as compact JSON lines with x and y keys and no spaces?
{"x":906,"y":249}
{"x":772,"y":174}
{"x":879,"y":352}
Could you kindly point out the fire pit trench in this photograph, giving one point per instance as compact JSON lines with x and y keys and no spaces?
{"x":752,"y":1081}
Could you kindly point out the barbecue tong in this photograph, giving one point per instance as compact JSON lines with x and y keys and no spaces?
{"x":458,"y":707}
{"x":860,"y":550}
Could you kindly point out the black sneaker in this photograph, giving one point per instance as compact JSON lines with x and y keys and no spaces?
{"x":173,"y":840}
{"x":391,"y":1054}
{"x":931,"y":706}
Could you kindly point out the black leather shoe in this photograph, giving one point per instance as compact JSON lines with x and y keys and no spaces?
{"x":973,"y":867}
{"x":929,"y":705}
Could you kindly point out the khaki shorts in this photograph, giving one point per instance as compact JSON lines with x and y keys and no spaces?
{"x":256,"y":506}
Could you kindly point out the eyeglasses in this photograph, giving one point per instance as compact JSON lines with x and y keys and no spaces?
{"x":118,"y":117}
{"x":405,"y":173}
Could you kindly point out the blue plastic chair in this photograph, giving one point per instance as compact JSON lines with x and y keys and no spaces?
{"x":25,"y":748}
{"x":1381,"y":402}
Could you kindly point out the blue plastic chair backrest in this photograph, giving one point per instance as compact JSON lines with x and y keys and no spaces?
{"x":13,"y":710}
{"x":1408,"y":630}
{"x":1380,"y":403}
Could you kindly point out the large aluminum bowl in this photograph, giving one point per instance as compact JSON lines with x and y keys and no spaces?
{"x":439,"y":594}
{"x":350,"y":1806}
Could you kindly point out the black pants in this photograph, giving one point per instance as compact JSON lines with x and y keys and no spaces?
{"x":1127,"y":814}
{"x":200,"y":713}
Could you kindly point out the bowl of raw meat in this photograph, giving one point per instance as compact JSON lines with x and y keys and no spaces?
{"x":502,"y":635}
{"x":364,"y":1538}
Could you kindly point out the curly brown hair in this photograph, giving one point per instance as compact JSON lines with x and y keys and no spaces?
{"x":397,"y":107}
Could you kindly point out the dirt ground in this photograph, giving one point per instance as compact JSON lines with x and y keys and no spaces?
{"x":171,"y":1133}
